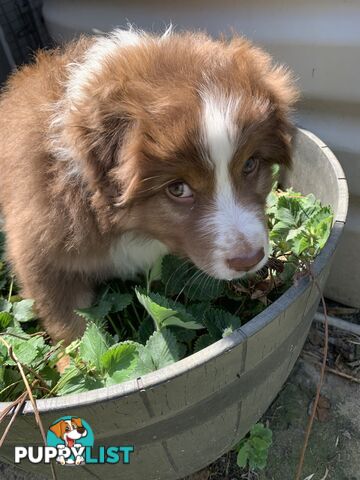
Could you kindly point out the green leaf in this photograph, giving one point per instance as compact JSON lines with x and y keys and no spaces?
{"x":155,"y":271}
{"x":29,"y":352}
{"x":183,"y":334}
{"x":25,"y":352}
{"x":258,"y":459}
{"x":243,"y":456}
{"x":203,"y":288}
{"x":261,"y":431}
{"x":97,"y":312}
{"x":122,"y":356}
{"x":259,"y":443}
{"x":93,"y":345}
{"x":220,"y":323}
{"x":160,"y":350}
{"x":23,"y":310}
{"x":119,"y":301}
{"x":271,"y":203}
{"x":75,"y":381}
{"x":50,"y":375}
{"x":165,"y":312}
{"x":146,"y":329}
{"x":158,"y":313}
{"x":5,"y":306}
{"x":181,"y":276}
{"x":300,"y":244}
{"x":3,"y":352}
{"x":203,"y":341}
{"x":5,"y":320}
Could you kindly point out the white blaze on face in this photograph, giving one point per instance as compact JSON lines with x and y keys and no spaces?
{"x":234,"y":227}
{"x":73,"y":433}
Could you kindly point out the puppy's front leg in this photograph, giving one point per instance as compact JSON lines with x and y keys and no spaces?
{"x":57,"y":294}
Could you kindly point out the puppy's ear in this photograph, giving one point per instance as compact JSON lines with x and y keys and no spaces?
{"x":281,"y":84}
{"x":276,"y":83}
{"x":95,"y":128}
{"x":58,"y":429}
{"x":259,"y":65}
{"x":77,"y":421}
{"x":90,"y":132}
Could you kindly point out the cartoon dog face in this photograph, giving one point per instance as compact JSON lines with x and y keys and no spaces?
{"x":69,"y":430}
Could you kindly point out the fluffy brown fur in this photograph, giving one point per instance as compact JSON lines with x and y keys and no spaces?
{"x":82,"y":163}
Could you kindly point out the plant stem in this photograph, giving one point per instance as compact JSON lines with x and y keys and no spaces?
{"x":11,"y":287}
{"x":113,"y":324}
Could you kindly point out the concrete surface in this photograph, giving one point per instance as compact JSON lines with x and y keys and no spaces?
{"x":334,"y":443}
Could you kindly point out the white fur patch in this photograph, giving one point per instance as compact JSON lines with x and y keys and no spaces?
{"x":95,"y":58}
{"x":134,"y":253}
{"x":230,"y":222}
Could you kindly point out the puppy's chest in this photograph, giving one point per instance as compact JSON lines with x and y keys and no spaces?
{"x":134,"y":253}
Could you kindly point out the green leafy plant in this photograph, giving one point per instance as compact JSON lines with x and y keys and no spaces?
{"x":253,"y":450}
{"x":174,"y":310}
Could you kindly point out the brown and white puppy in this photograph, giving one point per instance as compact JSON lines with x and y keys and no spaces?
{"x":69,"y":431}
{"x":117,"y":149}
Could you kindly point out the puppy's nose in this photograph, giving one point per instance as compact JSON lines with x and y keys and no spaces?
{"x":80,"y":429}
{"x":246,"y":262}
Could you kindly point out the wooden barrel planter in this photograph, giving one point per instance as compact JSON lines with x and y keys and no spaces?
{"x":184,"y":416}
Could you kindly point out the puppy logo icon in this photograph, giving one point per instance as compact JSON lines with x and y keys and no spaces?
{"x":70,"y":435}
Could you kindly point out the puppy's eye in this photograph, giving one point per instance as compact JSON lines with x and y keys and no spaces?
{"x":180,"y":191}
{"x":67,"y":428}
{"x":250,"y":165}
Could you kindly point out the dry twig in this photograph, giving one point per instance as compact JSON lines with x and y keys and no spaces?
{"x":318,"y":390}
{"x":19,"y":402}
{"x":31,"y":397}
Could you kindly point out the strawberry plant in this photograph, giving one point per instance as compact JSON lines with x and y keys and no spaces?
{"x":252,"y":450}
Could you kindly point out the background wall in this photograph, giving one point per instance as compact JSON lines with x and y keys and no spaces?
{"x":318,"y":39}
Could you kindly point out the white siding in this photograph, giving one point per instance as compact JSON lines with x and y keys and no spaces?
{"x":318,"y":39}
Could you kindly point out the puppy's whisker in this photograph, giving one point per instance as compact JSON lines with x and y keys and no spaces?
{"x":196,"y":273}
{"x":204,"y":278}
{"x":176,"y":270}
{"x":150,"y":178}
{"x":156,"y":187}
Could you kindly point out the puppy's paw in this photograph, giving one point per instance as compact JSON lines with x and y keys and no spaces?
{"x":61,"y":460}
{"x":79,"y":460}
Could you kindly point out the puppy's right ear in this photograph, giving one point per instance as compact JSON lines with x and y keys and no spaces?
{"x":94,"y":129}
{"x":88,"y":133}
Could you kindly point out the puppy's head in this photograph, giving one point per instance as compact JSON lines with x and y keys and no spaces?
{"x":176,"y":137}
{"x":66,"y":429}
